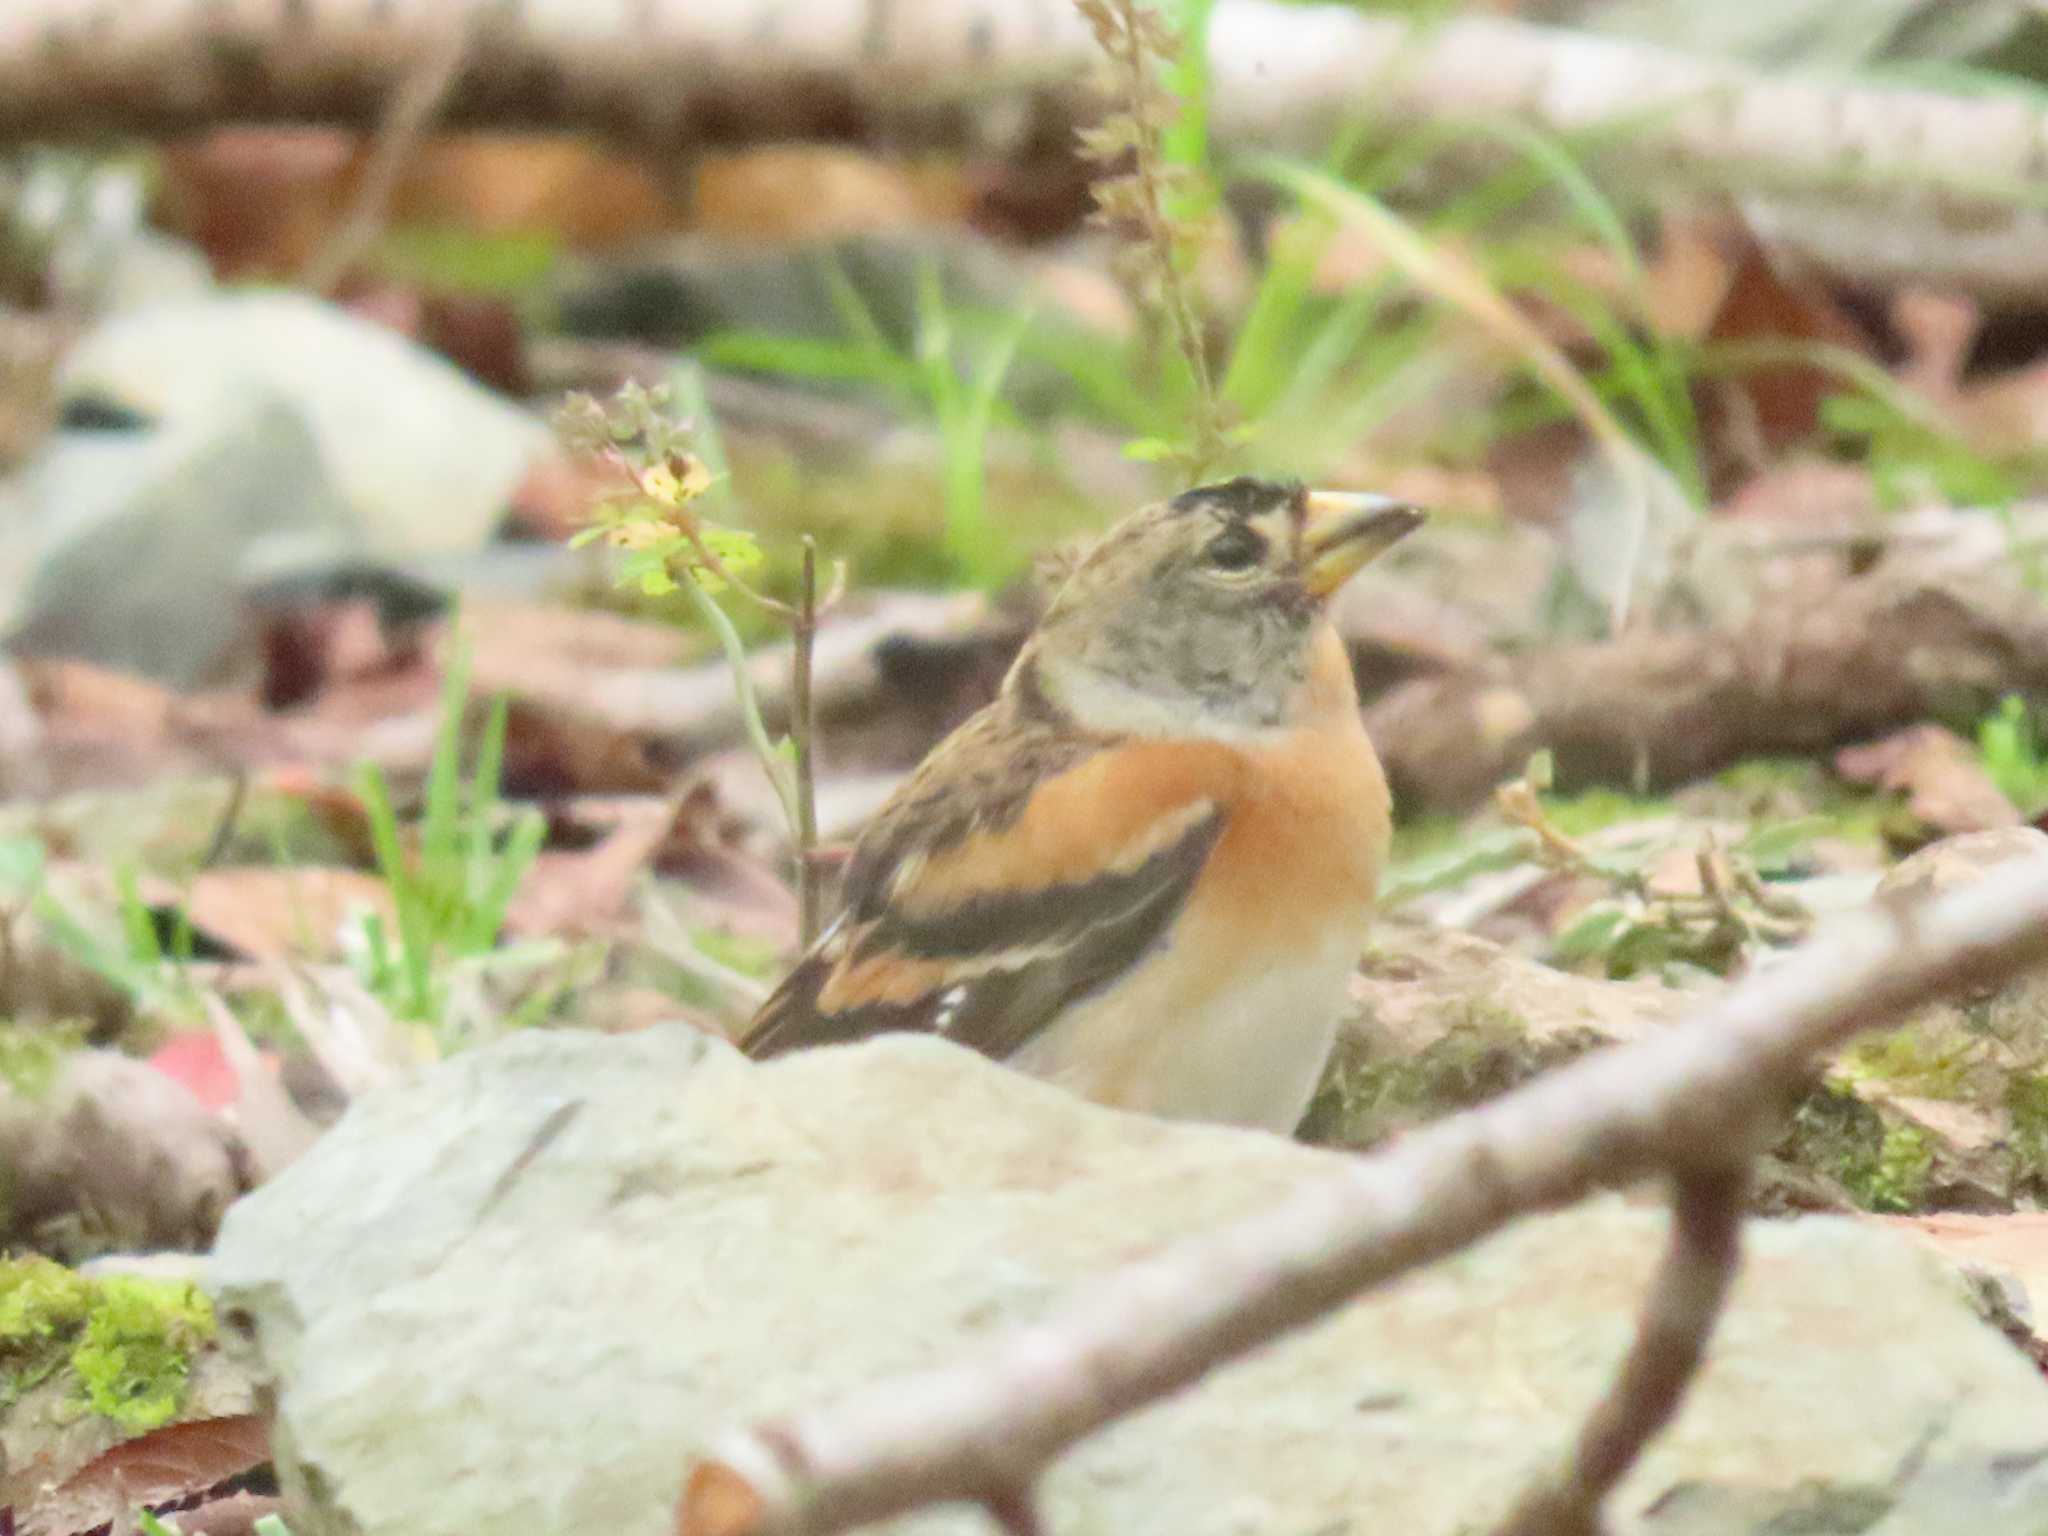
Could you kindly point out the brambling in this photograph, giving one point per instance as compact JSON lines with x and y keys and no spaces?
{"x":1145,"y":870}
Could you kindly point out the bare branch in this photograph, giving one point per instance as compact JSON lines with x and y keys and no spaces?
{"x":1685,"y":1302}
{"x":1287,"y":77}
{"x":1700,"y":1095}
{"x":1847,"y":662}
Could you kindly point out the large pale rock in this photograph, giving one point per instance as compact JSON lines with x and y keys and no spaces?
{"x":151,"y":540}
{"x":518,"y":1293}
{"x":425,"y":458}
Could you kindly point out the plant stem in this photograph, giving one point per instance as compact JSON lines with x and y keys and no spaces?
{"x":804,"y":632}
{"x":750,"y":702}
{"x":1207,"y":446}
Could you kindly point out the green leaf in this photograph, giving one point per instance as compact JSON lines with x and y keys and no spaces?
{"x":1771,"y":846}
{"x":1153,"y":450}
{"x":1594,"y":932}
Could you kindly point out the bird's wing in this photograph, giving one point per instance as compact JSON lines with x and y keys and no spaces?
{"x":983,"y":927}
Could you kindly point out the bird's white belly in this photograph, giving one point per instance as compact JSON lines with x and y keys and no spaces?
{"x":1250,"y":1053}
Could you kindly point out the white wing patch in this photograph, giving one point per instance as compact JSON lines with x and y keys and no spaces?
{"x":949,"y":1007}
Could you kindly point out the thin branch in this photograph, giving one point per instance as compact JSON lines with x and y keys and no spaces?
{"x":1689,"y":1097}
{"x":230,"y":818}
{"x":419,"y":96}
{"x":1685,"y":1302}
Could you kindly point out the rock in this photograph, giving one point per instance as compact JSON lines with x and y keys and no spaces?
{"x":1960,"y":860}
{"x":1446,"y":1020}
{"x":1947,"y":1111}
{"x":112,"y":1393}
{"x":725,"y":295}
{"x":521,"y":1291}
{"x":2010,"y":1252}
{"x":113,"y":1154}
{"x":151,"y":544}
{"x":1969,"y":1076}
{"x":425,"y":459}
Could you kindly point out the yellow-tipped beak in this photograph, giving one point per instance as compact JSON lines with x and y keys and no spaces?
{"x":1348,"y":529}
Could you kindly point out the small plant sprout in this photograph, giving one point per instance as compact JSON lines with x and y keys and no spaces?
{"x":657,"y":519}
{"x":450,"y":894}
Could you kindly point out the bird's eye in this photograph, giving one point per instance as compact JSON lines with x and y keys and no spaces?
{"x":1236,"y":548}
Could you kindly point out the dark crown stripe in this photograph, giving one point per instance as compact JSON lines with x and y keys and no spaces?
{"x":1246,"y":496}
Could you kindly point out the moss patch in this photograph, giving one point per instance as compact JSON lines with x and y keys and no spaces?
{"x":31,"y":1053}
{"x":2026,"y":1102}
{"x":128,"y":1343}
{"x":1881,"y":1167}
{"x":1930,"y":1063}
{"x":1484,"y":1051}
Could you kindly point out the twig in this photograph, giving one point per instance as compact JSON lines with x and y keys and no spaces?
{"x":230,"y":817}
{"x":1685,"y":1302}
{"x":1695,"y":1096}
{"x":673,"y":941}
{"x":413,"y":106}
{"x":803,"y":635}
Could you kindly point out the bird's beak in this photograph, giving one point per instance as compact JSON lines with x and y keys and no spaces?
{"x":1348,"y":529}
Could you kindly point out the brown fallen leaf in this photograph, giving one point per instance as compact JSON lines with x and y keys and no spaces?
{"x":267,"y":912}
{"x":1688,"y":279}
{"x":166,"y":1467}
{"x":588,"y":892}
{"x":1946,"y":787}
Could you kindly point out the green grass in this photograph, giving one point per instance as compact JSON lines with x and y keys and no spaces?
{"x":952,"y":376}
{"x":2011,"y":754}
{"x":450,"y":896}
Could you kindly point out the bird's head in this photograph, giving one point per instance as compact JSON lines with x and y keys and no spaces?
{"x":1202,"y":615}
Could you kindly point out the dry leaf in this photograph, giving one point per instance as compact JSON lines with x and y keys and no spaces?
{"x":266,"y":912}
{"x":588,"y":892}
{"x":165,"y":1467}
{"x":1945,"y":785}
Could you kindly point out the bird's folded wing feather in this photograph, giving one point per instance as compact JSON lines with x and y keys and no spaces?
{"x":984,"y":932}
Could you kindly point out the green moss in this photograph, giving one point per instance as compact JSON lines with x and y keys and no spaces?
{"x":1912,"y":1059}
{"x":31,"y":1053}
{"x":127,"y":1342}
{"x":1880,"y":1167}
{"x":1905,"y":1159}
{"x":2026,"y":1102}
{"x":1484,"y":1051}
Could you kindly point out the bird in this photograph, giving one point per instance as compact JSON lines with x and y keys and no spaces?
{"x":1146,"y":870}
